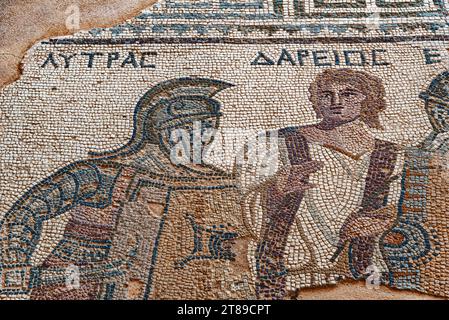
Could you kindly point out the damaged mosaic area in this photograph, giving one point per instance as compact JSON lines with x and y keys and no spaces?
{"x":230,"y":149}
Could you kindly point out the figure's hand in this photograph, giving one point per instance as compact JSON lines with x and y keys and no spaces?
{"x":291,"y":179}
{"x":360,"y":224}
{"x":370,"y":224}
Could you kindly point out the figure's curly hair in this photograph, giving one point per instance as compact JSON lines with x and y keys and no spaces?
{"x":371,"y":86}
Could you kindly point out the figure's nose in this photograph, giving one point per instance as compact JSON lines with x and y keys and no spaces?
{"x":336,"y":99}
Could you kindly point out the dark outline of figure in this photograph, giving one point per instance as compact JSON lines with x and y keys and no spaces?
{"x":281,"y":210}
{"x":409,"y":244}
{"x":91,"y":184}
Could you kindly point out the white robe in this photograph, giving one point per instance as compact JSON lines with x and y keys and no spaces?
{"x":314,"y":235}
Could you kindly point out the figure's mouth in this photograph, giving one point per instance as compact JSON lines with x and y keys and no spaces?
{"x":336,"y":110}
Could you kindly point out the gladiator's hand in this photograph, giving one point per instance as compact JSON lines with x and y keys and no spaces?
{"x":292,"y":178}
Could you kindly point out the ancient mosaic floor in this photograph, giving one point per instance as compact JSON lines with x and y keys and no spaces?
{"x":229,"y":149}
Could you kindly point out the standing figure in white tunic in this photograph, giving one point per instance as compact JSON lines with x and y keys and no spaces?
{"x":320,"y":217}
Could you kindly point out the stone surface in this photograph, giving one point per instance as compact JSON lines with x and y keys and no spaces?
{"x":25,"y":23}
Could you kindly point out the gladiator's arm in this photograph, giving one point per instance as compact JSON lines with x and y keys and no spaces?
{"x":21,"y":227}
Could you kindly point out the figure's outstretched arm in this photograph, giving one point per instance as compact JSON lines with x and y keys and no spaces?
{"x":21,"y":227}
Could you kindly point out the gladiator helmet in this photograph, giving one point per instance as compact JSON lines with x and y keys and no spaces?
{"x":437,"y":102}
{"x":170,"y":105}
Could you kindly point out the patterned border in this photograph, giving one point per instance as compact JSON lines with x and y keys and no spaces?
{"x":334,"y":5}
{"x":176,"y":4}
{"x":412,"y":3}
{"x":227,"y":9}
{"x":233,"y":4}
{"x":218,"y":40}
{"x":301,"y":13}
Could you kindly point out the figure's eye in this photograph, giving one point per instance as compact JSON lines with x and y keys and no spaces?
{"x":348,"y":94}
{"x":325,"y":95}
{"x":207,"y":124}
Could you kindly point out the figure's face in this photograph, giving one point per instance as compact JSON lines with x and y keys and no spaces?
{"x":438,"y":115}
{"x":193,"y":136}
{"x":339,"y":103}
{"x":202,"y":129}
